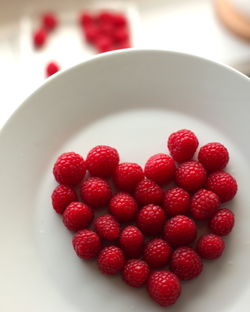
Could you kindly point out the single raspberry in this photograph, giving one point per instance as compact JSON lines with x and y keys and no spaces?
{"x":204,"y":204}
{"x":69,"y":169}
{"x":102,"y":160}
{"x":210,"y":246}
{"x":103,"y":44}
{"x":85,"y":19}
{"x":180,"y":230}
{"x":127,"y":176}
{"x":182,"y":145}
{"x":39,"y":37}
{"x":119,"y":20}
{"x":123,"y":207}
{"x":77,"y":216}
{"x":222,"y":222}
{"x":49,"y":21}
{"x":186,"y":263}
{"x":164,"y":287}
{"x":121,"y":34}
{"x":191,"y":176}
{"x":132,"y":241}
{"x":61,"y":197}
{"x":222,"y":184}
{"x":111,"y":260}
{"x":96,"y":192}
{"x":160,"y":168}
{"x":107,"y":227}
{"x":151,"y":219}
{"x":86,"y":244}
{"x":91,"y":32}
{"x":136,"y":272}
{"x":148,"y":192}
{"x":157,"y":253}
{"x":52,"y":68}
{"x":176,"y":201}
{"x":213,"y":156}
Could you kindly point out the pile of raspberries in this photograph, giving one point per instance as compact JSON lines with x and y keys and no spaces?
{"x":147,"y":230}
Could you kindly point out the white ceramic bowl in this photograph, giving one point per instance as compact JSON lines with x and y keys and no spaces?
{"x":131,"y":100}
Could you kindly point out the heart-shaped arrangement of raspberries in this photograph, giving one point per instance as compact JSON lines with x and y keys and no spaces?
{"x":147,"y":230}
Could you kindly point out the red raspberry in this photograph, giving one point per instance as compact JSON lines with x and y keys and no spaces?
{"x":61,"y":197}
{"x":91,"y":33}
{"x":136,"y":272}
{"x":102,"y":160}
{"x":213,"y":156}
{"x":123,"y":207}
{"x":176,"y":201}
{"x":69,"y":169}
{"x":222,"y":184}
{"x":121,"y":34}
{"x":204,"y":204}
{"x":77,"y":216}
{"x":86,"y":244}
{"x":103,"y":44}
{"x":164,"y":287}
{"x":186,"y":263}
{"x":39,"y":37}
{"x":96,"y":192}
{"x":157,"y":253}
{"x":191,"y":176}
{"x":107,"y":30}
{"x":107,"y":227}
{"x":52,"y":68}
{"x":148,"y":192}
{"x":86,"y":19}
{"x":49,"y":21}
{"x":222,"y":222}
{"x":111,"y":260}
{"x":180,"y":230}
{"x":160,"y":168}
{"x":210,"y":246}
{"x":119,"y":19}
{"x":151,"y":219}
{"x":127,"y":176}
{"x":132,"y":241}
{"x":182,"y":145}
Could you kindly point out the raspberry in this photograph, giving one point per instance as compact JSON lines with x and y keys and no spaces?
{"x":180,"y":230}
{"x":222,"y":222}
{"x":86,"y":244}
{"x":111,"y":260}
{"x":157,"y":253}
{"x":107,"y":30}
{"x":182,"y":145}
{"x":107,"y":227}
{"x":127,"y":176}
{"x":132,"y":241}
{"x":91,"y":33}
{"x":176,"y":201}
{"x":191,"y":176}
{"x":164,"y":287}
{"x":61,"y":197}
{"x":213,"y":156}
{"x":151,"y":219}
{"x":49,"y":21}
{"x":121,"y":34}
{"x":210,"y":246}
{"x":222,"y":184}
{"x":148,"y":192}
{"x":77,"y":216}
{"x":186,"y":263}
{"x":102,"y":160}
{"x":86,"y":19}
{"x":96,"y":192}
{"x":69,"y":169}
{"x":119,"y":19}
{"x":52,"y":68}
{"x":160,"y":168}
{"x":136,"y":272}
{"x":103,"y":44}
{"x":204,"y":204}
{"x":39,"y":37}
{"x":123,"y":207}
